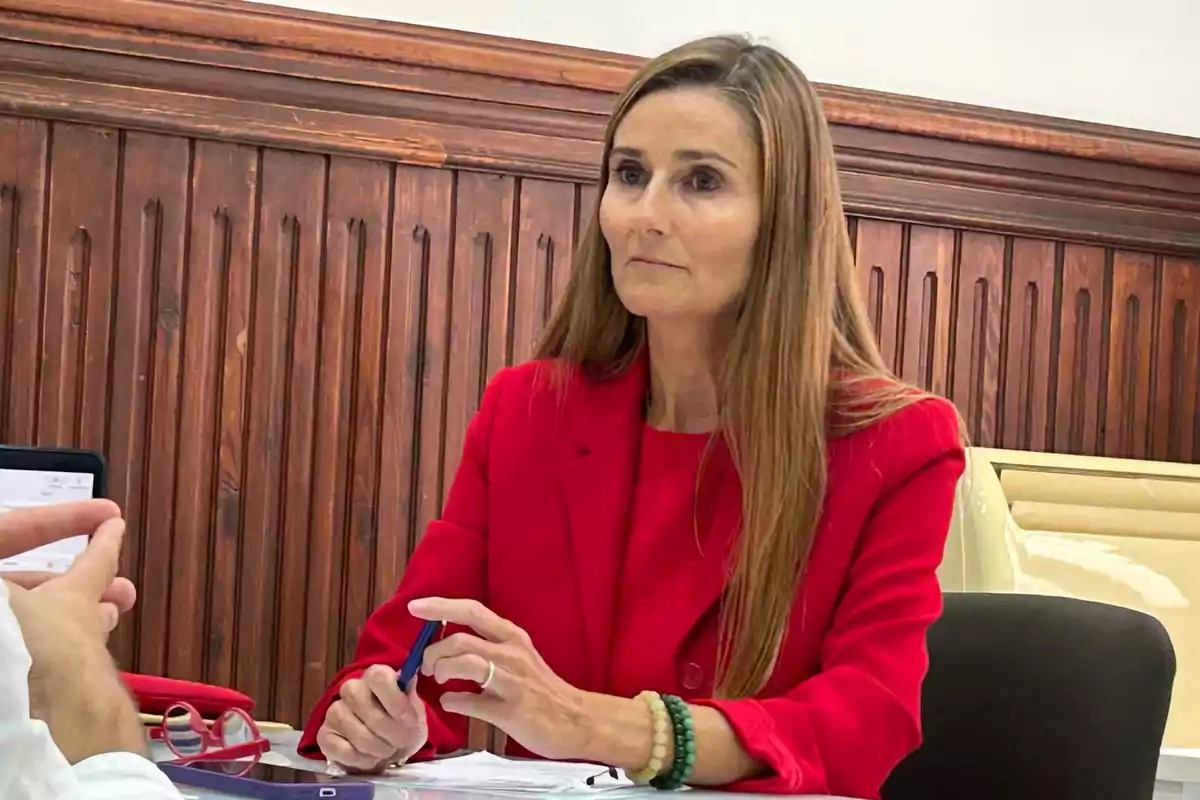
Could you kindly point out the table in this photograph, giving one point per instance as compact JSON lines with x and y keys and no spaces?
{"x":283,"y":753}
{"x":1178,"y":776}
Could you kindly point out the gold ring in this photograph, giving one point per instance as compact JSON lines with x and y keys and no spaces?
{"x":491,"y":674}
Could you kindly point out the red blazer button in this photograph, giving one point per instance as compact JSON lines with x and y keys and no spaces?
{"x":691,"y":676}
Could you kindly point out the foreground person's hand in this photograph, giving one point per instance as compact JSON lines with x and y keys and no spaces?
{"x":24,"y":529}
{"x":374,"y":723}
{"x":74,"y":686}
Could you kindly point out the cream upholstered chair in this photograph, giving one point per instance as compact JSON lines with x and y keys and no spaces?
{"x":1119,"y":531}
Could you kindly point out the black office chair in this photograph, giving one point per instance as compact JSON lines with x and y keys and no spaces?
{"x":1039,"y":698}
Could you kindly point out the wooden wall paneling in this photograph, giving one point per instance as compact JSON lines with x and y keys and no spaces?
{"x":1029,"y":345}
{"x":346,"y":446}
{"x":545,"y":242}
{"x":279,"y":439}
{"x":165,"y":382}
{"x":926,"y":323}
{"x":481,"y":327}
{"x":1177,"y":366}
{"x":209,"y":250}
{"x":73,"y":385}
{"x":151,"y":238}
{"x":225,"y":201}
{"x":589,"y":197}
{"x":24,"y":150}
{"x":303,"y":242}
{"x":585,"y":211}
{"x":416,"y":373}
{"x":1083,"y":325}
{"x":879,"y":252}
{"x":980,"y":301}
{"x":301,"y":250}
{"x":1130,"y":356}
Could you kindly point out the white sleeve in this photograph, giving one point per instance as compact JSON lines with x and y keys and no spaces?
{"x":119,"y":776}
{"x":31,"y":765}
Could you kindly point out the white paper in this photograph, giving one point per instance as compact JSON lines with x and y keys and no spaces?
{"x":484,"y":772}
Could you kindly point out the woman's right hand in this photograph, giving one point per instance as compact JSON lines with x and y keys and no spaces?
{"x":373,"y":724}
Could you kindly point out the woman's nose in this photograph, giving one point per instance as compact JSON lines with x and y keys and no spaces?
{"x":651,"y":210}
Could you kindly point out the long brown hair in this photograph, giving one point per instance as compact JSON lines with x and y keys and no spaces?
{"x":803,"y":363}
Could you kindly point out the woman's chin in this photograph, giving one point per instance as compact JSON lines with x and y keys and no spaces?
{"x":646,"y":301}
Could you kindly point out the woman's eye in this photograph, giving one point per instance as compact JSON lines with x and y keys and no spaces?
{"x":704,"y":181}
{"x":629,"y":174}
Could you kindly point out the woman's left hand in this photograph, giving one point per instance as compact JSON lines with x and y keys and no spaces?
{"x":520,"y":694}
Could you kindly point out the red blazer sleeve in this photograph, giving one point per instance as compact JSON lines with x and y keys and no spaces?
{"x":844,"y":730}
{"x":449,"y":561}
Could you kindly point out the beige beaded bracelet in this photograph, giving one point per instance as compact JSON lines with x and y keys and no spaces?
{"x":661,"y":722}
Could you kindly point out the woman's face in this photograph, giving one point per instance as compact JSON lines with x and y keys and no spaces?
{"x":682,"y":207}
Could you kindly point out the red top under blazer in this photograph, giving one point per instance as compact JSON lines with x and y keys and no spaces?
{"x":535,"y":527}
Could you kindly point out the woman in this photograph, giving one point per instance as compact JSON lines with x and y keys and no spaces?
{"x":707,"y":486}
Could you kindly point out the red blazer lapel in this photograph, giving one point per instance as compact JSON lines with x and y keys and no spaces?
{"x":598,"y":466}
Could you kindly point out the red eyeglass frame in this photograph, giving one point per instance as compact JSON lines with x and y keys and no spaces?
{"x":213,"y":742}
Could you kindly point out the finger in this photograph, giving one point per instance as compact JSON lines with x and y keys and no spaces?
{"x":361,"y":700}
{"x":483,"y":707}
{"x":473,"y":668}
{"x":95,"y":568}
{"x":471,"y":613}
{"x":121,"y":592}
{"x":401,"y":706}
{"x":23,"y":529}
{"x":339,"y":750}
{"x":342,"y":719}
{"x":461,"y":644}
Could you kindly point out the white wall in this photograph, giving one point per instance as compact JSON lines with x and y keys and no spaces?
{"x":1123,"y":62}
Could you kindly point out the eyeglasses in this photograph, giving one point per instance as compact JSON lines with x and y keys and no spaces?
{"x":232,"y":735}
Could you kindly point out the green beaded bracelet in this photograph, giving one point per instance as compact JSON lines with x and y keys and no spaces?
{"x":685,"y":745}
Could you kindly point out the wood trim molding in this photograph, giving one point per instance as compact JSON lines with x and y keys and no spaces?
{"x":273,"y":28}
{"x":286,"y":78}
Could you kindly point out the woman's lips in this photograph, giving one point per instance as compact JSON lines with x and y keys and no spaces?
{"x":654,"y":262}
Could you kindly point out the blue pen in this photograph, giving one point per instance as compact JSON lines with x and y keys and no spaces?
{"x":413,"y":662}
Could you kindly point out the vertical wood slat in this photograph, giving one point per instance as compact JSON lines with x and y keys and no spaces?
{"x":1130,"y":350}
{"x":151,"y":233}
{"x":879,"y":250}
{"x":345,"y":455}
{"x":1028,"y":342}
{"x":1176,"y":369}
{"x":163,"y":235}
{"x":279,"y":353}
{"x":226,"y":190}
{"x":24,"y":169}
{"x":479,"y":319}
{"x":1083,"y":318}
{"x":279,"y":449}
{"x":77,"y":288}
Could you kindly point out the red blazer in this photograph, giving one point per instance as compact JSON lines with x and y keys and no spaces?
{"x":534,"y":528}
